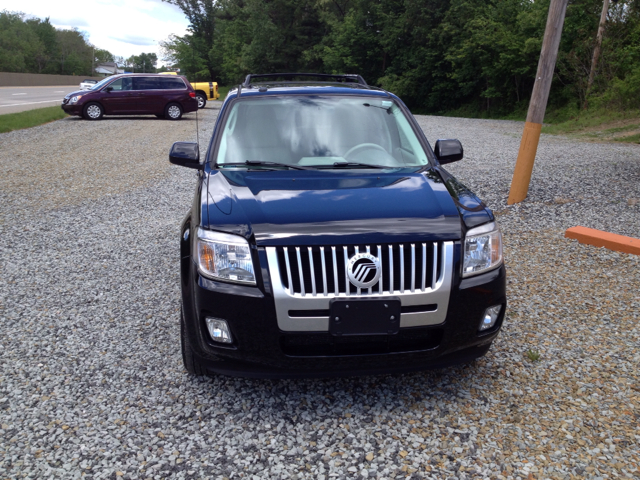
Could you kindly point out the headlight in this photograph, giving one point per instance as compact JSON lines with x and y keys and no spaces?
{"x":75,"y":99}
{"x":482,"y":249}
{"x":224,"y":257}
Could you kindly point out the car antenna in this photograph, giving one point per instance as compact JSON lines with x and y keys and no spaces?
{"x":195,"y":75}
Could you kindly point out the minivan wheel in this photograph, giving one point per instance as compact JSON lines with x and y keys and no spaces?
{"x":202,"y":100}
{"x":191,"y":365}
{"x":173,"y":112}
{"x":93,"y":111}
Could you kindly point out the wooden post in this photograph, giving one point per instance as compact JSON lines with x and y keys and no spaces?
{"x":538,"y":103}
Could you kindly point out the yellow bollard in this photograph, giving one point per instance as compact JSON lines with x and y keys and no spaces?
{"x":524,"y":163}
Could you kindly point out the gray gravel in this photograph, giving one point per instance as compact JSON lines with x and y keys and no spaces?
{"x":91,"y":380}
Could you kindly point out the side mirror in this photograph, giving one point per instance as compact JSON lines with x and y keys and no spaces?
{"x":448,"y":151}
{"x":108,"y":89}
{"x":186,"y":154}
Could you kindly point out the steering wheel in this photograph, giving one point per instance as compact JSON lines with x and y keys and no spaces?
{"x":363,"y":146}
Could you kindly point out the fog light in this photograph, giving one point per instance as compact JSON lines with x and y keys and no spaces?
{"x":219,"y":330}
{"x":490,"y":317}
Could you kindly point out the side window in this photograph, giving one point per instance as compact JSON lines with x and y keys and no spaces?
{"x":146,"y":83}
{"x":121,"y":84}
{"x":117,"y":85}
{"x":171,"y":83}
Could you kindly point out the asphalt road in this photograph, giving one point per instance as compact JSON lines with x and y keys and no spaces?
{"x":20,"y":99}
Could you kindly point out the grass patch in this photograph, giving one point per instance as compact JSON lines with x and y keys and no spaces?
{"x":630,"y":139}
{"x":223,"y":92}
{"x":30,"y":118}
{"x":600,"y":123}
{"x":533,"y":355}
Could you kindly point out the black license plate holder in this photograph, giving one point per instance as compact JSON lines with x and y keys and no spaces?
{"x":364,"y":316}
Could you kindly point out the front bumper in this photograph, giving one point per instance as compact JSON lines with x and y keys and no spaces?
{"x":70,"y":109}
{"x":262,"y":349}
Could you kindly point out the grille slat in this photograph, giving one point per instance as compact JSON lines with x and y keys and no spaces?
{"x":413,"y":268}
{"x":435,"y":266}
{"x":401,"y":268}
{"x":391,"y":286}
{"x":424,"y":265}
{"x":286,"y":257}
{"x":335,"y":271}
{"x":346,"y":275}
{"x":313,"y":273}
{"x":404,"y":268}
{"x":300,"y":271}
{"x":381,"y":282}
{"x":324,"y":273}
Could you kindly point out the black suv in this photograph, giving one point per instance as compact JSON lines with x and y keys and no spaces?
{"x":325,"y":238}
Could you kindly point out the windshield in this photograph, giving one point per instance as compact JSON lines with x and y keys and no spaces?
{"x":101,"y":83}
{"x":320,"y":131}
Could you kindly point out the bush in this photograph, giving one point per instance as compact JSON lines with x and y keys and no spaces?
{"x":622,"y":94}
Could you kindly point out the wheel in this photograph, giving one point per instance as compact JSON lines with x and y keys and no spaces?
{"x":93,"y":111}
{"x":159,"y":116}
{"x":191,"y":365}
{"x":173,"y":111}
{"x":202,"y":99}
{"x":363,"y":146}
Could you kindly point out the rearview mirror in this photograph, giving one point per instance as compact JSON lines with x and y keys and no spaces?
{"x":448,"y":151}
{"x":186,"y":154}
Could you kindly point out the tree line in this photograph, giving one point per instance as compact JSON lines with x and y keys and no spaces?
{"x":468,"y":56}
{"x":33,"y":45}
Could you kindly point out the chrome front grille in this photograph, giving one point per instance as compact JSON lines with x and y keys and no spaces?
{"x":305,"y":280}
{"x":323,"y":270}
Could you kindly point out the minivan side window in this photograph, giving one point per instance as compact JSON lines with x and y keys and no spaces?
{"x":121,"y":84}
{"x":146,"y":83}
{"x":168,"y":83}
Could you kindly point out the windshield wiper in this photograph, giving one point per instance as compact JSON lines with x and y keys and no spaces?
{"x":353,"y":164}
{"x":259,"y":163}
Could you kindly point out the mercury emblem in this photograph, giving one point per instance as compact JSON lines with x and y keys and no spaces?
{"x":363,"y":270}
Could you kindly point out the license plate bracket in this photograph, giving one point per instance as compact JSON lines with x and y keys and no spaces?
{"x":364,"y":316}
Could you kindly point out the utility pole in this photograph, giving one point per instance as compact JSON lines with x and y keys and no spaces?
{"x":93,"y":59}
{"x":538,"y":103}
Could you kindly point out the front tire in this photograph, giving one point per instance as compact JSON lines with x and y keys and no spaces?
{"x":173,"y":111}
{"x":202,"y":100}
{"x":92,"y":111}
{"x":189,"y":361}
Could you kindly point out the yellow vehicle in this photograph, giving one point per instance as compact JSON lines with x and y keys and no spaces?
{"x":204,"y":90}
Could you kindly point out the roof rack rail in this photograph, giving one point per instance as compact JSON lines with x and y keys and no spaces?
{"x":343,"y":78}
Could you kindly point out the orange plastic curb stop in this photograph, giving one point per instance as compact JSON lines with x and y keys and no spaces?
{"x":598,"y":238}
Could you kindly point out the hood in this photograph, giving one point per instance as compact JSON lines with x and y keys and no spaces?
{"x":77,"y":92}
{"x":319,"y":207}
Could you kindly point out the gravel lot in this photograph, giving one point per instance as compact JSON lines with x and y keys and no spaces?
{"x":91,"y":380}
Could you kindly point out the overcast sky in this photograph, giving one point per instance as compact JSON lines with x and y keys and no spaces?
{"x":124,"y":27}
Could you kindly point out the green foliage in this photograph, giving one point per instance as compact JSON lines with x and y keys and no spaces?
{"x":102,"y":56}
{"x":31,"y":118}
{"x":143,"y":63}
{"x":19,"y":44}
{"x":34,"y":46}
{"x":474,"y":56}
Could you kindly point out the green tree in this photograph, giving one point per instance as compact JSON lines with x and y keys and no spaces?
{"x":45,"y":57}
{"x":19,"y":44}
{"x":202,"y":16}
{"x":143,"y":63}
{"x":102,"y":56}
{"x":74,"y":53}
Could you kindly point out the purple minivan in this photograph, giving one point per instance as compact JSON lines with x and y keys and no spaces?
{"x":134,"y":94}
